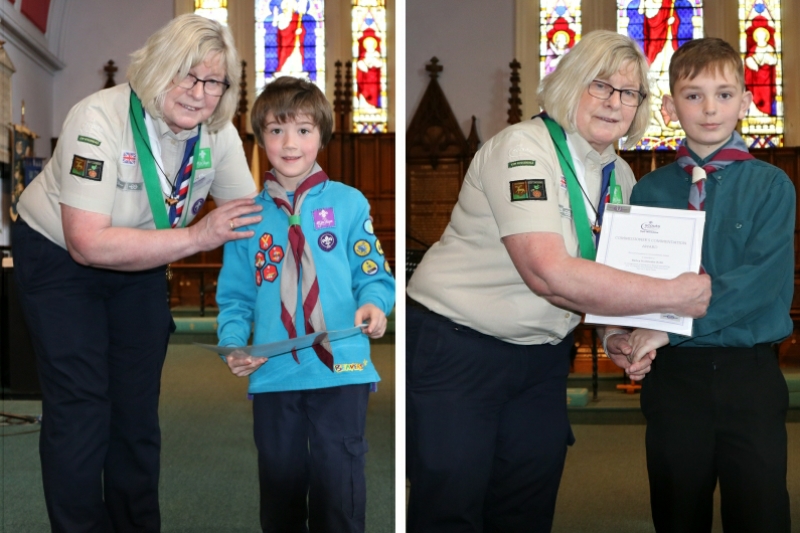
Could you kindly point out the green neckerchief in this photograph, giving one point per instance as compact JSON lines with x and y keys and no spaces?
{"x":152,"y":182}
{"x":579,"y":217}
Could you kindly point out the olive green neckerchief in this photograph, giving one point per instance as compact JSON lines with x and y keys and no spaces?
{"x":152,"y":182}
{"x":579,"y":218}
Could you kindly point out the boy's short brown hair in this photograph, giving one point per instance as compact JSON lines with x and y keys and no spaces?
{"x":287,"y":97}
{"x":707,"y":54}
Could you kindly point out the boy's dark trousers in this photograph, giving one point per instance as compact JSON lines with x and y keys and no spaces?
{"x":311,"y":455}
{"x":487,"y":428}
{"x":717,"y":414}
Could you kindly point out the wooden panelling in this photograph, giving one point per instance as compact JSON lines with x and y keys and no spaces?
{"x":431,"y":194}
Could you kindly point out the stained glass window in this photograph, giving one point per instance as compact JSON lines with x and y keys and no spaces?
{"x":559,"y":31}
{"x":290,"y":40}
{"x":370,"y":105}
{"x":213,"y":9}
{"x":761,"y":45}
{"x":660,"y":27}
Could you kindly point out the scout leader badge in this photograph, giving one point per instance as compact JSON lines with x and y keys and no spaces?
{"x":161,"y":191}
{"x":609,"y":191}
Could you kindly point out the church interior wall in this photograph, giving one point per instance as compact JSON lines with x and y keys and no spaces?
{"x":474,"y":42}
{"x":81,"y":37}
{"x":99,"y":31}
{"x":36,"y":88}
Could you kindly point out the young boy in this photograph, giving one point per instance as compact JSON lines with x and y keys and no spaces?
{"x":314,"y":265}
{"x":716,"y":402}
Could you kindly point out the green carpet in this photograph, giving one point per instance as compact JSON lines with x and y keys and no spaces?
{"x":208,"y":477}
{"x":604,"y":488}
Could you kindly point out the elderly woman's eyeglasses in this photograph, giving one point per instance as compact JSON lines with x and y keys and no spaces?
{"x":210,"y":87}
{"x":604,"y":91}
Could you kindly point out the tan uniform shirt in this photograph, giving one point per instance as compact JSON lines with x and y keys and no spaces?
{"x":468,"y":275}
{"x":98,"y":132}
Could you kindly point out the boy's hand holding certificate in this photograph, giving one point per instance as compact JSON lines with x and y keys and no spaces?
{"x":656,"y":242}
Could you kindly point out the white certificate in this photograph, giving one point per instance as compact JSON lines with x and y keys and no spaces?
{"x":656,"y":242}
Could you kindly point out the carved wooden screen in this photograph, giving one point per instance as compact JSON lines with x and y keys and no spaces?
{"x":437,"y":158}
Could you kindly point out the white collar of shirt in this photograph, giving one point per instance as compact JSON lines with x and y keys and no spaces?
{"x":164,"y":131}
{"x":157,"y":131}
{"x":581,"y":151}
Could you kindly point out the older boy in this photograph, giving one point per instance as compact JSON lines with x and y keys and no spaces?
{"x":315,"y":264}
{"x":716,"y":402}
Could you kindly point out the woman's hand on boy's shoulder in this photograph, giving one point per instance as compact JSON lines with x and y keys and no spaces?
{"x":243,"y":364}
{"x":374,"y":318}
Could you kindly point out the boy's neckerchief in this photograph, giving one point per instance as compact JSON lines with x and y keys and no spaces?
{"x":734,"y":150}
{"x":299,"y":258}
{"x":586,"y":243}
{"x":163,"y":218}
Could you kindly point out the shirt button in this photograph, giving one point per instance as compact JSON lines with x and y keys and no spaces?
{"x":738,"y":225}
{"x":566,"y":316}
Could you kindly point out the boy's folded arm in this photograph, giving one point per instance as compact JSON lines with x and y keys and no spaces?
{"x":755,"y":283}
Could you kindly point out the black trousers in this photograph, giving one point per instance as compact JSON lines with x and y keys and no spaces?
{"x":311,"y":459}
{"x":100,"y":338}
{"x":717,"y":414}
{"x":487,"y":429}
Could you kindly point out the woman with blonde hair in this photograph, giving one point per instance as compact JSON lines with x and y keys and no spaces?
{"x":132,"y":168}
{"x":488,"y":345}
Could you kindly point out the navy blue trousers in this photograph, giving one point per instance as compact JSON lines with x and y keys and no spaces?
{"x":100,"y":338}
{"x":311,"y":458}
{"x":487,"y":429}
{"x":717,"y":415}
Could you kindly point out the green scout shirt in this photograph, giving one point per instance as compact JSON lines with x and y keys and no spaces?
{"x":748,"y":249}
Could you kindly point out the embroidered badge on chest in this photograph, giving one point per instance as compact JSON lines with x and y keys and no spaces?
{"x":522,"y":190}
{"x":327,"y":241}
{"x":261,"y":260}
{"x":129,"y":158}
{"x":203,"y":159}
{"x":270,"y":273}
{"x":276,"y":254}
{"x":198,"y":205}
{"x":267,"y":271}
{"x":83,"y":167}
{"x":324,"y":218}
